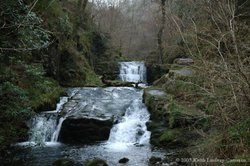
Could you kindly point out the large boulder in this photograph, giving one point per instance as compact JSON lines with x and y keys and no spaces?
{"x":91,"y":112}
{"x":75,"y":131}
{"x":183,"y":72}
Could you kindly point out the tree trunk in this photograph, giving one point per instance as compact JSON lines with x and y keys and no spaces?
{"x":82,"y":4}
{"x":161,"y":31}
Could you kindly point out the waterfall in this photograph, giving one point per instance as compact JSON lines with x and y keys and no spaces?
{"x":56,"y":133}
{"x":131,"y":129}
{"x":133,"y":71}
{"x":45,"y":127}
{"x":41,"y":128}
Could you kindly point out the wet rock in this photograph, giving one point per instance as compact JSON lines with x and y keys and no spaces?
{"x":157,"y":92}
{"x":155,"y":99}
{"x":76,"y":131}
{"x":64,"y":162}
{"x":184,"y":61}
{"x":123,"y":160}
{"x":154,"y":160}
{"x":96,"y":162}
{"x":109,"y":68}
{"x":173,"y":164}
{"x":117,"y":83}
{"x":91,"y":112}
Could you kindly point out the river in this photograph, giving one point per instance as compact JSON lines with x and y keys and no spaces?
{"x":68,"y":131}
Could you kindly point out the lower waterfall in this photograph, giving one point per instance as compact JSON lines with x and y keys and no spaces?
{"x":128,"y":137}
{"x":131,"y":129}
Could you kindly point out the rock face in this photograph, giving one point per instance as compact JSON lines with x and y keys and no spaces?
{"x":185,"y":72}
{"x":184,"y":61}
{"x":82,"y":130}
{"x":155,"y":71}
{"x":91,"y":112}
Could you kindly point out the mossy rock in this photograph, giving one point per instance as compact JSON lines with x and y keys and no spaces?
{"x":75,"y":70}
{"x":117,"y":83}
{"x":155,"y":102}
{"x":173,"y":138}
{"x":64,"y":162}
{"x":108,"y":68}
{"x":96,"y":162}
{"x":155,"y":160}
{"x":155,"y":71}
{"x":181,"y":116}
{"x":182,"y":72}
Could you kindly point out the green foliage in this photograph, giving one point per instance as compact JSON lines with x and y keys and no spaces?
{"x":240,"y":133}
{"x":170,"y":135}
{"x":14,"y":112}
{"x":50,"y":8}
{"x":65,"y":25}
{"x":24,"y":30}
{"x":177,"y":114}
{"x":92,"y":79}
{"x":33,"y":38}
{"x":43,"y":38}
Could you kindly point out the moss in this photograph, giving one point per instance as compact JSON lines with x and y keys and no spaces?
{"x":240,"y":133}
{"x":44,"y":95}
{"x":181,"y":116}
{"x":170,"y":135}
{"x":151,"y":125}
{"x":92,"y":79}
{"x":75,"y":70}
{"x":173,"y":138}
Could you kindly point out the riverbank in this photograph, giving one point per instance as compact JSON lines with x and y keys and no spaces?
{"x":183,"y":120}
{"x":45,"y":49}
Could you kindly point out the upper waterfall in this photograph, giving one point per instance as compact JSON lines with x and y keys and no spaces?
{"x":134,"y":71}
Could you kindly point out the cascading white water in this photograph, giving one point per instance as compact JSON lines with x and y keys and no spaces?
{"x":129,"y":137}
{"x":56,"y":133}
{"x":131,"y":129}
{"x":133,"y":71}
{"x":44,"y":128}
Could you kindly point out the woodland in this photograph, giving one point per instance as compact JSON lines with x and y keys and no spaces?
{"x":47,"y":46}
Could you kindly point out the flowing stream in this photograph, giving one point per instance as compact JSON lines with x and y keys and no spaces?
{"x":128,"y":137}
